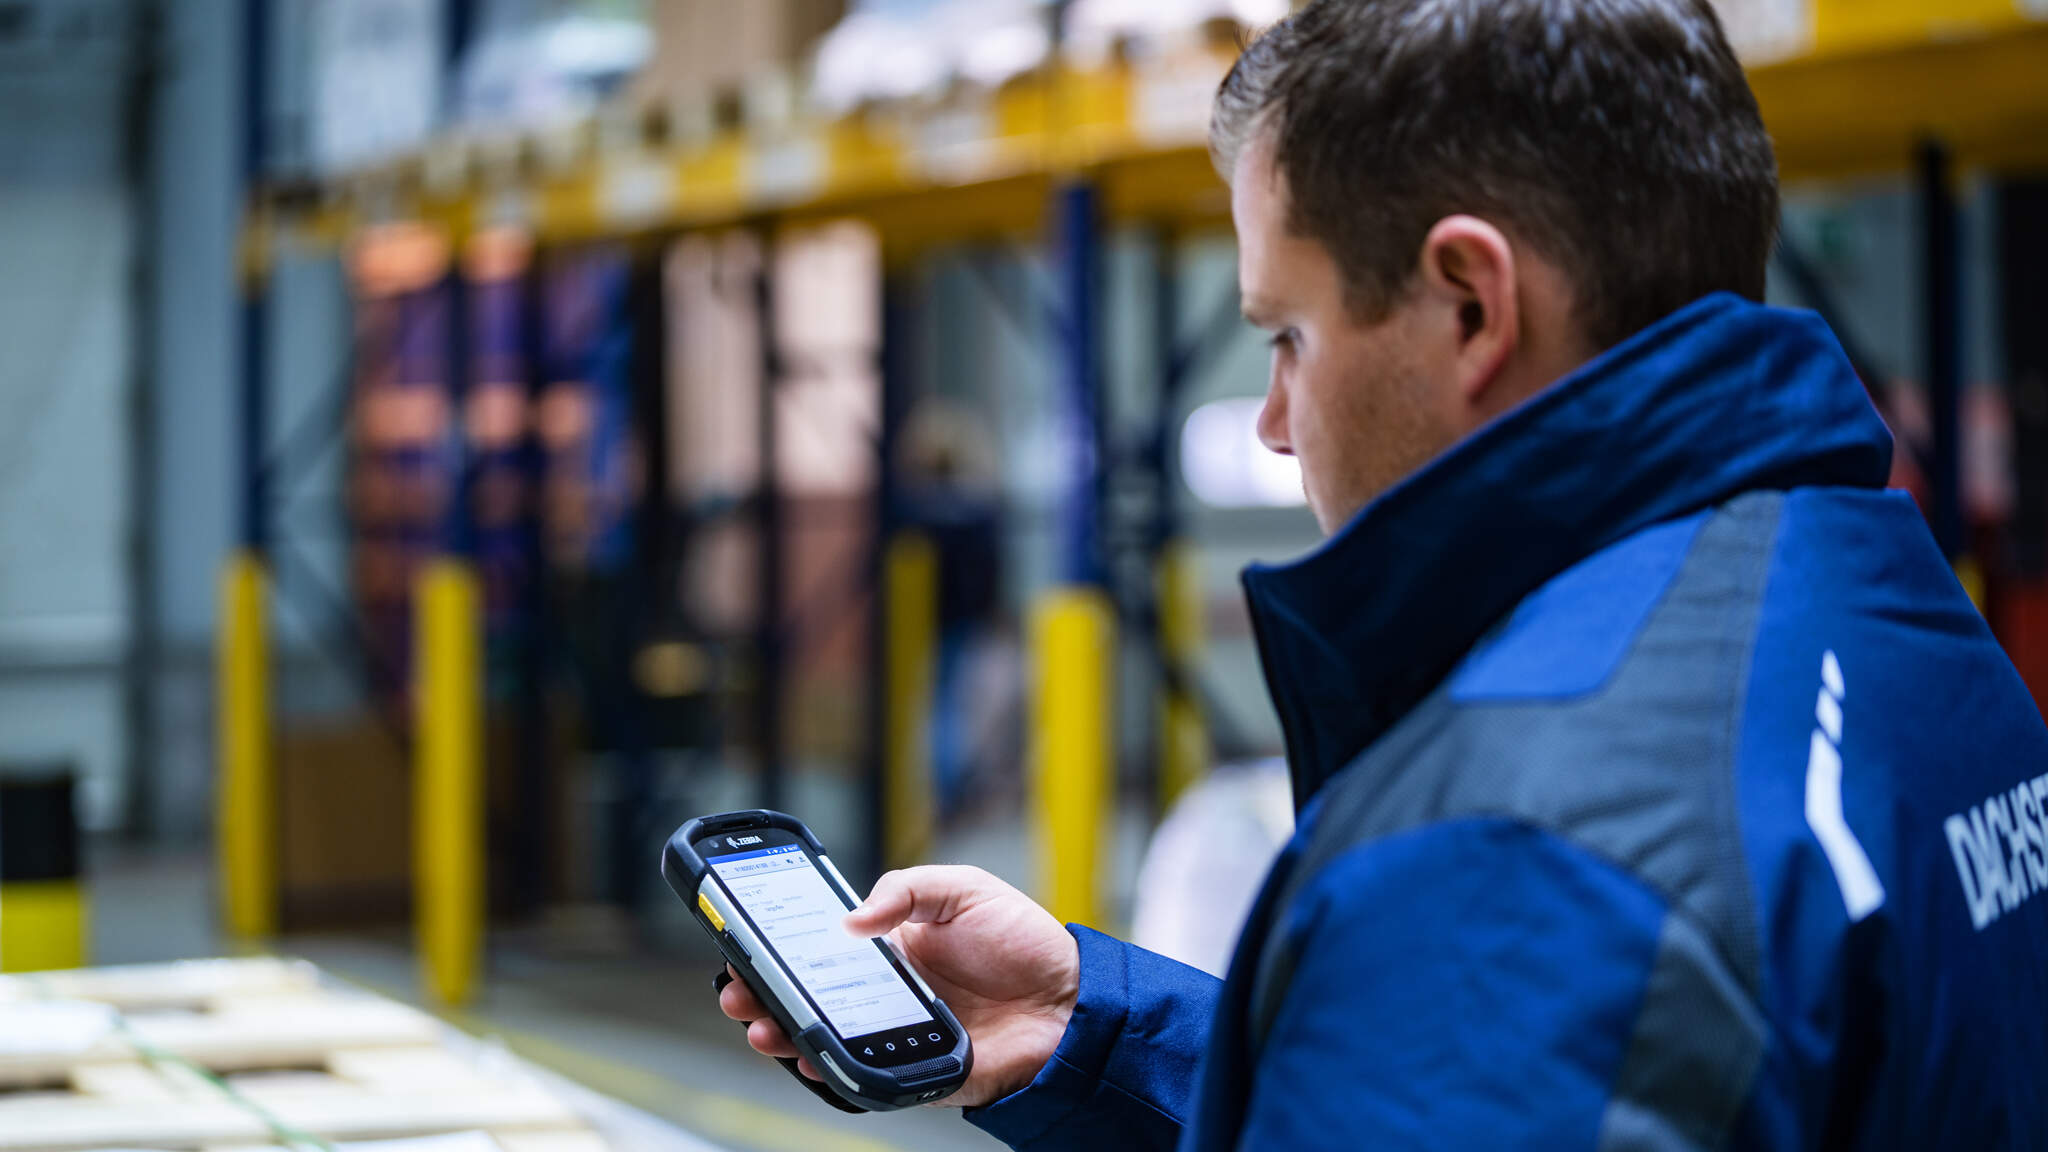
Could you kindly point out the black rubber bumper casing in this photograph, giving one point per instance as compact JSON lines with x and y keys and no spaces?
{"x":874,"y":1089}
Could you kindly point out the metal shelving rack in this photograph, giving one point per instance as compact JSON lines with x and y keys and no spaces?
{"x":1873,"y":87}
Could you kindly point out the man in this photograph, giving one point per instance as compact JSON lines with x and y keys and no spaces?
{"x":1657,"y":785}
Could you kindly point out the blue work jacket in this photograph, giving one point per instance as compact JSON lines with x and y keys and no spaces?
{"x":1658,"y":788}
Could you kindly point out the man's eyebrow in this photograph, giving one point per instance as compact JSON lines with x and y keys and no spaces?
{"x":1258,"y":311}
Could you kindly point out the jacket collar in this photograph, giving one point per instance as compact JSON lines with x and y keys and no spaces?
{"x":1722,"y":397}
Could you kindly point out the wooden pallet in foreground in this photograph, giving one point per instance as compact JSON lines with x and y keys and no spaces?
{"x":245,"y":1055}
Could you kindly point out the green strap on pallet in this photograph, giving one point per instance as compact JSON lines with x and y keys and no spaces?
{"x":280,"y":1131}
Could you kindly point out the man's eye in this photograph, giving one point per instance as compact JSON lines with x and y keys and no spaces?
{"x":1283,"y":340}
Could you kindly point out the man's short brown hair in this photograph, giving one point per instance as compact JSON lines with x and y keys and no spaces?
{"x":1617,"y":138}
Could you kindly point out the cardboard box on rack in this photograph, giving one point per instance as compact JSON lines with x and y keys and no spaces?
{"x":707,"y":51}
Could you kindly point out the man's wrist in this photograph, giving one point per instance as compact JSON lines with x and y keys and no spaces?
{"x":1029,"y":1038}
{"x":1040,"y":1034}
{"x":1089,"y":1025}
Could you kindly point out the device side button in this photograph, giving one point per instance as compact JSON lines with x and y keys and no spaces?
{"x":738,"y":949}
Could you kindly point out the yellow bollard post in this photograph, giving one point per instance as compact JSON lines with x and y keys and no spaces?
{"x":1073,"y":761}
{"x":448,"y":817}
{"x":43,"y":910}
{"x":43,"y":925}
{"x":1183,"y":736}
{"x":246,"y":788}
{"x":911,"y":584}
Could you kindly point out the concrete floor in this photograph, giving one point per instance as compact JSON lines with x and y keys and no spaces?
{"x":639,"y":1027}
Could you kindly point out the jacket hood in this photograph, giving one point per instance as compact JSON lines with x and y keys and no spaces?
{"x":1721,"y":397}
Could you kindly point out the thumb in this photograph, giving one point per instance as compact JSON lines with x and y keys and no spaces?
{"x":888,"y":904}
{"x":931,"y":894}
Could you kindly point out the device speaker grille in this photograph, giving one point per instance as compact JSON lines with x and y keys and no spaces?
{"x":938,"y":1069}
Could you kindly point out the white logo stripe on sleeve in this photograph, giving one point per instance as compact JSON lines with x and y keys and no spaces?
{"x":1862,"y":892}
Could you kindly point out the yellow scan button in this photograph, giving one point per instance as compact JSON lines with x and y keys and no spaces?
{"x":710,"y":913}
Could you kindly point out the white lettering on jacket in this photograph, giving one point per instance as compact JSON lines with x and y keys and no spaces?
{"x":2001,"y":849}
{"x":1862,"y":892}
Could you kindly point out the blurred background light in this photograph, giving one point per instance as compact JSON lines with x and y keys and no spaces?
{"x":1227,"y":467}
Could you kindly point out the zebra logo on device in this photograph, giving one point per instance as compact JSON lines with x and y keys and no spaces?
{"x":741,"y":841}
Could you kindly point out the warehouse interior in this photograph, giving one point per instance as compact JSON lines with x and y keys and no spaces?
{"x":450,"y":443}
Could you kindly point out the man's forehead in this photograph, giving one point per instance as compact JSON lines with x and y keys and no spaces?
{"x":1256,"y":305}
{"x":1256,"y":167}
{"x":1258,"y":197}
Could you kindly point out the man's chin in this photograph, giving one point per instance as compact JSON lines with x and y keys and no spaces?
{"x":1326,"y":522}
{"x":1330,"y":515}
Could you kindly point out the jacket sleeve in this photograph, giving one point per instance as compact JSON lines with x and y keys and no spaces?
{"x":1120,"y":1077}
{"x":1483,"y":984}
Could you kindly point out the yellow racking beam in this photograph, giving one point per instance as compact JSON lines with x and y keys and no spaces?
{"x":1843,"y":114}
{"x":1847,"y":27}
{"x":1874,"y":76}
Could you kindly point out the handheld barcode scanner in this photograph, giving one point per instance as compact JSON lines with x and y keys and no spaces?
{"x":764,"y":888}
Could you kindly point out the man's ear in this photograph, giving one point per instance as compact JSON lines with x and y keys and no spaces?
{"x":1469,"y":267}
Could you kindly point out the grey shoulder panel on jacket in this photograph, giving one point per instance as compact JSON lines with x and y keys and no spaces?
{"x":1682,"y":1084}
{"x":1640,"y":773}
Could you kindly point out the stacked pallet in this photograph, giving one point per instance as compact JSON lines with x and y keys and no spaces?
{"x":245,"y":1055}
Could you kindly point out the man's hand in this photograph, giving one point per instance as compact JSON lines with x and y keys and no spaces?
{"x":1005,"y":967}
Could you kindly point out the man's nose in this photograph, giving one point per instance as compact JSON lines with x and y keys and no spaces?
{"x":1273,"y":422}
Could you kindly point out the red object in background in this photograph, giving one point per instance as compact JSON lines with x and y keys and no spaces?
{"x":2016,"y":606}
{"x":496,"y":413}
{"x":2021,"y":623}
{"x":402,"y":470}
